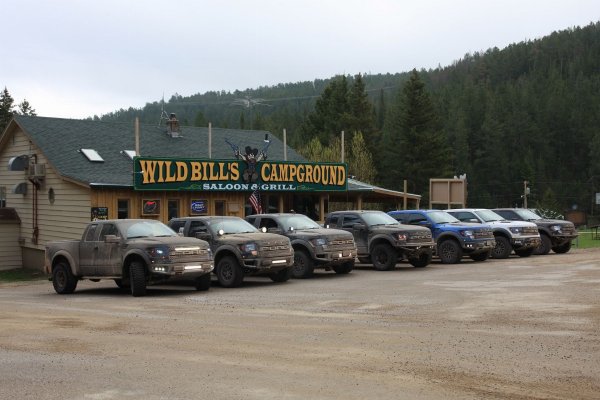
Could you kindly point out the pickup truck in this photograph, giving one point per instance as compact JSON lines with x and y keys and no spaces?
{"x":520,"y":236}
{"x":239,"y":248}
{"x":383,"y":241}
{"x":555,"y":234}
{"x":314,"y":246}
{"x":133,"y":253}
{"x":453,"y":238}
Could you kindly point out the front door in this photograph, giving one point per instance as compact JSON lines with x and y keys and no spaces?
{"x":361,"y":236}
{"x":87,"y":251}
{"x":108,"y":255}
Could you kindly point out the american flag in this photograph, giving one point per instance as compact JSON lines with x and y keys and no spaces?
{"x":255,"y":201}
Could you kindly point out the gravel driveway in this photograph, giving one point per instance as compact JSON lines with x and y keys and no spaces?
{"x":522,"y":328}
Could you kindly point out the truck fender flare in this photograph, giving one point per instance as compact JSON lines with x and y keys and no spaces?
{"x":228,"y":249}
{"x":72,"y":264}
{"x":135,"y":253}
{"x":449,"y":235}
{"x":377,"y":239}
{"x":305,"y":245}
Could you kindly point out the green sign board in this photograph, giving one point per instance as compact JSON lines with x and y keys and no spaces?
{"x":237,"y":175}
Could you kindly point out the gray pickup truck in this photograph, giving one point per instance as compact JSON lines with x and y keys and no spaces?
{"x":239,"y":248}
{"x":133,"y":253}
{"x":383,"y":241}
{"x":314,"y":246}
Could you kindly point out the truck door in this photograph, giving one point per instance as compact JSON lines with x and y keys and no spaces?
{"x":108,"y":255}
{"x":361,"y":236}
{"x":87,"y":250}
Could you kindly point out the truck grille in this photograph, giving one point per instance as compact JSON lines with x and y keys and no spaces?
{"x":421,"y":237}
{"x":567,"y":229}
{"x":271,"y":250}
{"x":188,"y":254}
{"x":483,"y":234}
{"x":530,"y":230}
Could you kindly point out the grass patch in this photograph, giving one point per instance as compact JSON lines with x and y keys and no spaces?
{"x":21,"y":275}
{"x":585,"y":241}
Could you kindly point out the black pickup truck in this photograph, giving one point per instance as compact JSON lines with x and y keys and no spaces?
{"x":314,"y":246}
{"x":239,"y":248}
{"x":383,"y":241}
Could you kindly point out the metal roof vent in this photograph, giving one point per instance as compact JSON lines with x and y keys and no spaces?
{"x":129,"y":153}
{"x":173,"y":127}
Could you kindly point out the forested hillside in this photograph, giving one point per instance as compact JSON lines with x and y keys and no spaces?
{"x":530,"y":111}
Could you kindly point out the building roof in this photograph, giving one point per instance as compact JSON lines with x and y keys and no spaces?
{"x":61,"y":141}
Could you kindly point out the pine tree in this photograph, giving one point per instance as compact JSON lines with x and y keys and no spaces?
{"x":25,"y":108}
{"x":6,"y":108}
{"x":414,"y":147}
{"x":360,"y":160}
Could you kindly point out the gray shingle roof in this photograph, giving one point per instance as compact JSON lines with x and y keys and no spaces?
{"x":61,"y":139}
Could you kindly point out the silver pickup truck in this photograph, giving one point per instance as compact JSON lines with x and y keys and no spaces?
{"x":132,"y":252}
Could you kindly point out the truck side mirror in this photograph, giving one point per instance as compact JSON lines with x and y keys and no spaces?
{"x":203,"y":236}
{"x":111,"y":239}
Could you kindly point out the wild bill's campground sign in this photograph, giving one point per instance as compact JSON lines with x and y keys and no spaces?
{"x":237,"y":175}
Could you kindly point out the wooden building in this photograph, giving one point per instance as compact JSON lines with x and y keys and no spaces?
{"x":58,"y":174}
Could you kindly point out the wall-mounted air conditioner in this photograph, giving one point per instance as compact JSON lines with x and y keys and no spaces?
{"x":37,"y":171}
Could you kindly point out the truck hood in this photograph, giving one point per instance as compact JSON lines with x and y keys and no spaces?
{"x":320,"y":232}
{"x":512,"y":224}
{"x":471,"y":225}
{"x":398,"y":228}
{"x":169,"y":241}
{"x":258,"y":237}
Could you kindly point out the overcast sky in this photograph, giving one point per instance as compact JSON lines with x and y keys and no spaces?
{"x":76,"y":59}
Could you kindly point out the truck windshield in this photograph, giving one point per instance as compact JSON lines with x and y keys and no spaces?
{"x":489,"y":216}
{"x":441,"y":217}
{"x":231,"y":225}
{"x":527,"y":214}
{"x":378,"y":218}
{"x":297,"y":222}
{"x":148,"y":229}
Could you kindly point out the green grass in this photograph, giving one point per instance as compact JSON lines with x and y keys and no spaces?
{"x":21,"y":275}
{"x":585,"y":241}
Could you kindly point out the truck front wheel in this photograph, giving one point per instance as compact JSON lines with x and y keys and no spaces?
{"x":449,"y":252}
{"x":202,"y":283}
{"x":137,"y":279}
{"x":229,"y":272}
{"x":303,"y":266}
{"x":383,"y":257}
{"x":502,"y":248}
{"x":563,"y":248}
{"x":62,"y":279}
{"x":283,"y":275}
{"x":544,"y":247}
{"x":420,"y":261}
{"x":344,"y":268}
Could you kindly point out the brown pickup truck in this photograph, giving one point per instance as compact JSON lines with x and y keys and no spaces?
{"x":133,"y":253}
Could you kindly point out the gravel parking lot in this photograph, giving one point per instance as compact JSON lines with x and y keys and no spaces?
{"x":522,"y":328}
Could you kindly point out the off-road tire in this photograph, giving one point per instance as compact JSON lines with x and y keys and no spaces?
{"x":422,"y":260}
{"x":344,"y":268}
{"x":120,"y":284}
{"x":563,"y":248}
{"x":202,"y":283}
{"x":383,"y":257}
{"x":229,"y":272}
{"x":544,"y":247}
{"x":502,"y":248}
{"x":449,"y":252}
{"x":484,"y":255}
{"x":303,"y":265}
{"x":283,"y":275}
{"x":525,"y":252}
{"x":63,"y":280}
{"x":137,"y":279}
{"x":364,"y":260}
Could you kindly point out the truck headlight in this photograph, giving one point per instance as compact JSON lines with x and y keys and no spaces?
{"x":249,"y":248}
{"x":516,"y":230}
{"x":318,"y":242}
{"x":468,"y":234}
{"x":555,"y":228}
{"x":401,"y":237}
{"x":158,"y":252}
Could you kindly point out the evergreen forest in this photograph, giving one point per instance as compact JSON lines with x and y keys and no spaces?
{"x":527,"y":112}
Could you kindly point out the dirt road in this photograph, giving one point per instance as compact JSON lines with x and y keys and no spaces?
{"x":523,"y":328}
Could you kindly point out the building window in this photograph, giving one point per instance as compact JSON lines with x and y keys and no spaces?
{"x":173,"y":208}
{"x":122,"y":208}
{"x":2,"y":196}
{"x":51,"y":196}
{"x":219,"y":207}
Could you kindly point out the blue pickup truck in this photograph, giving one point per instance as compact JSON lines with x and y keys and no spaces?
{"x":453,"y":238}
